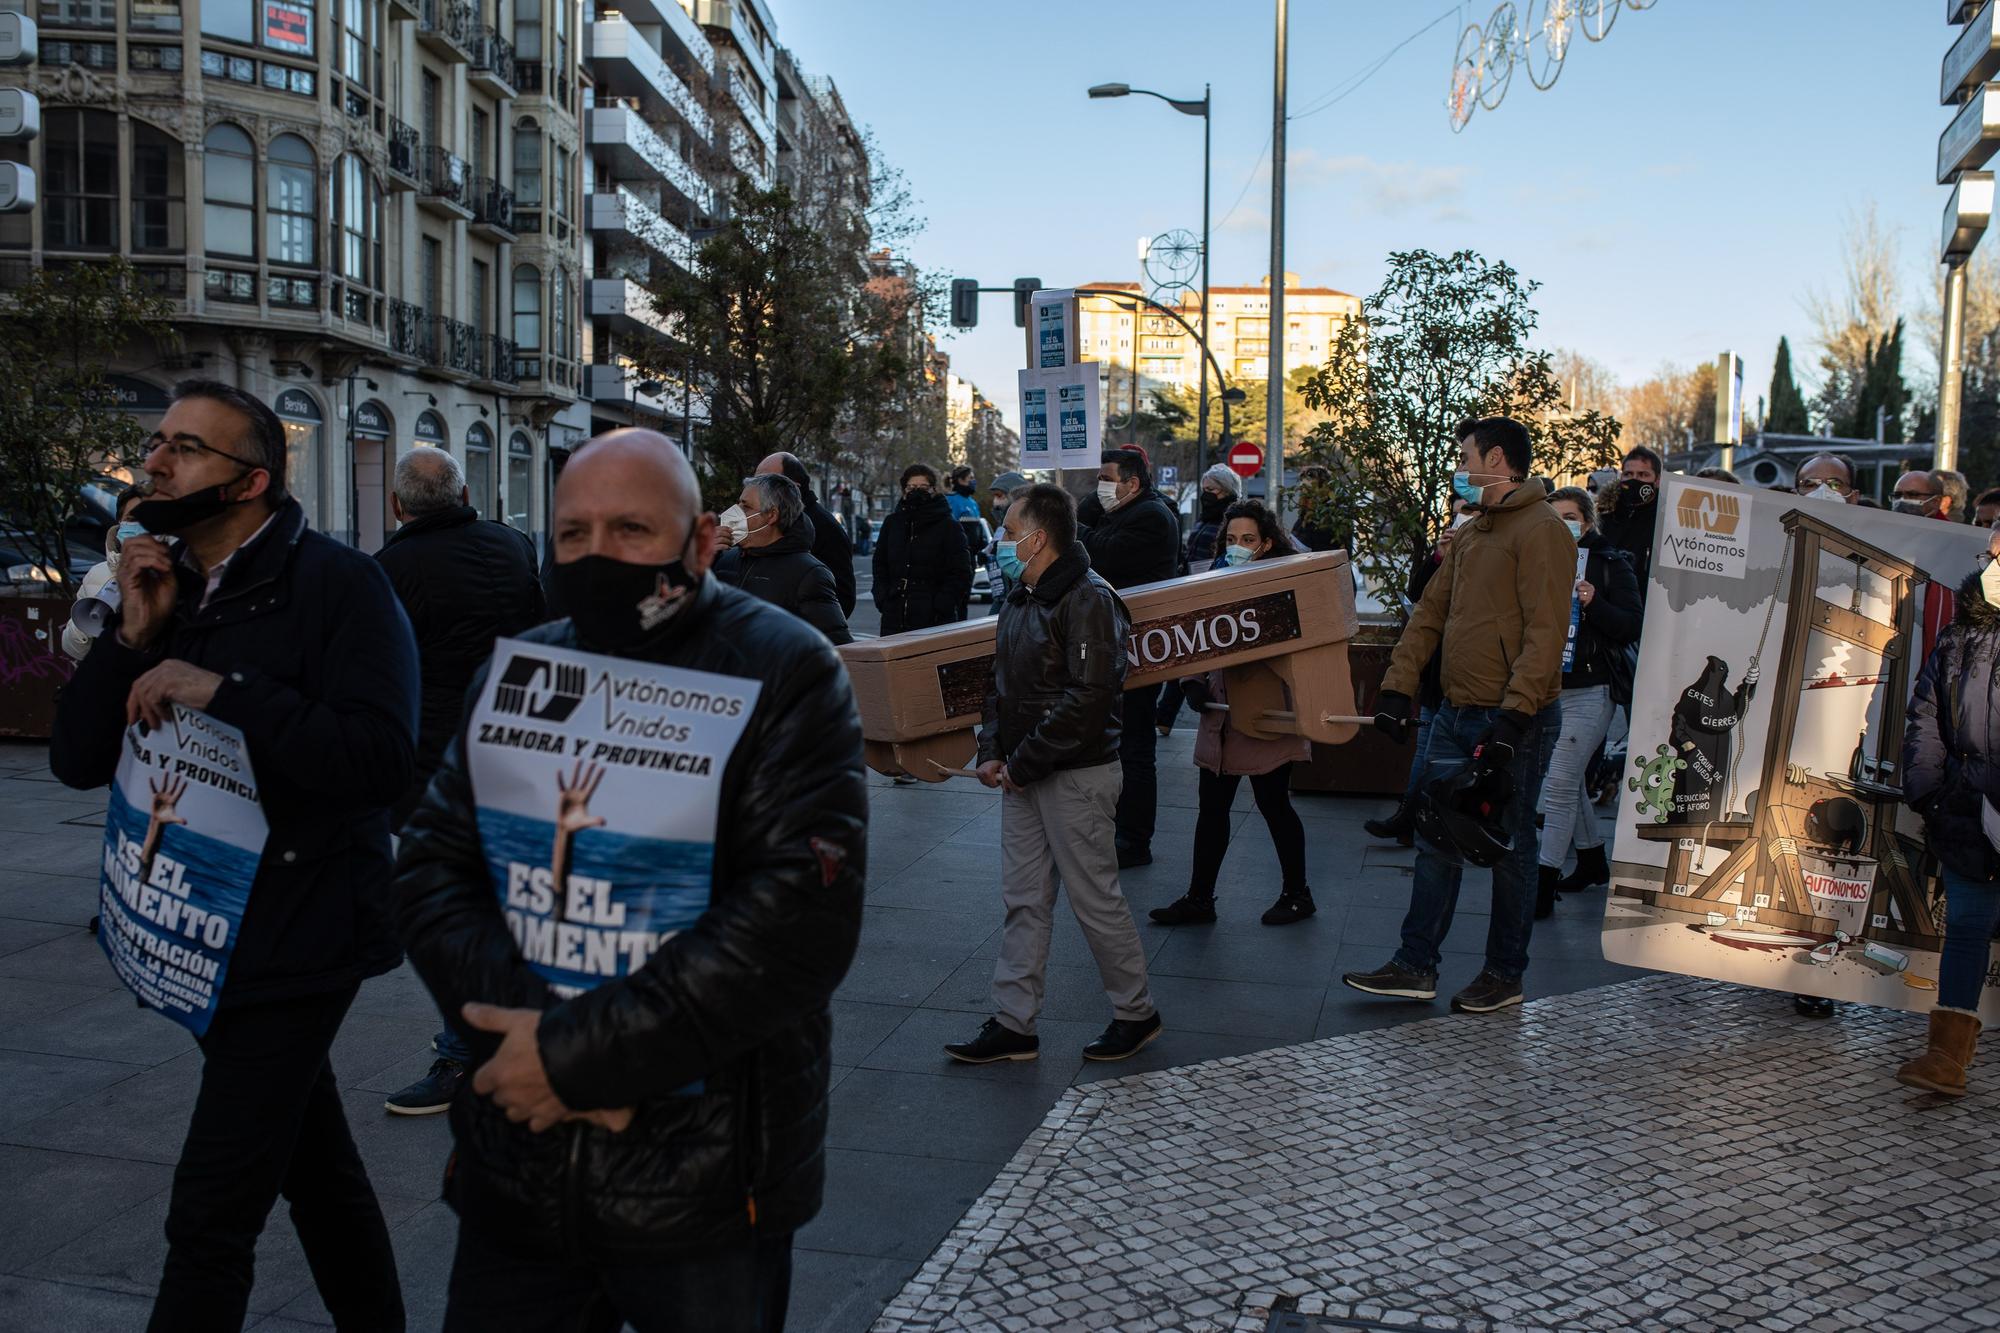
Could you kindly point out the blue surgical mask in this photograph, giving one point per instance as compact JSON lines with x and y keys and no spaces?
{"x":1237,"y":555}
{"x":1462,"y":487}
{"x":1575,"y":529}
{"x":128,"y":530}
{"x":1008,"y":558}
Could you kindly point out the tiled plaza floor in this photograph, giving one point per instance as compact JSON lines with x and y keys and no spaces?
{"x":1664,"y":1153}
{"x":94,"y":1094}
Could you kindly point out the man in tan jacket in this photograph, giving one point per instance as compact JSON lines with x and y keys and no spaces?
{"x":1499,"y":609}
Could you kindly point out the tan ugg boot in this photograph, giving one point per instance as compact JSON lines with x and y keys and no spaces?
{"x":1941,"y":1068}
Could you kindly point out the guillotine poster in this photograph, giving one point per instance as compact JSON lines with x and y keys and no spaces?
{"x":1760,"y":833}
{"x":598,"y":781}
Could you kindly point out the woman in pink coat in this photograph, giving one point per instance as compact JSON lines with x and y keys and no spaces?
{"x":1226,"y":756}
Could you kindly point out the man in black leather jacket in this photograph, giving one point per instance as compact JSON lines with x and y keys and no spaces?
{"x":1049,"y":740}
{"x":593,"y":1181}
{"x":1133,"y":537}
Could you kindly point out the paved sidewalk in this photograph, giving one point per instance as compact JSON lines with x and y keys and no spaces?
{"x":1667,"y":1153}
{"x":97,"y":1092}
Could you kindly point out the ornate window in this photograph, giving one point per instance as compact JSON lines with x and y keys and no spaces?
{"x":291,"y":178}
{"x":229,"y":193}
{"x":527,"y":308}
{"x":559,"y":321}
{"x":527,"y":163}
{"x":358,"y":222}
{"x":80,"y":161}
{"x":159,"y":191}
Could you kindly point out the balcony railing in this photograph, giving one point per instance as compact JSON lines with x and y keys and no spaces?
{"x":502,"y":361}
{"x":492,"y":59}
{"x":404,"y":147}
{"x":455,"y":345}
{"x":624,"y":128}
{"x":492,"y":205}
{"x":532,"y":78}
{"x":446,"y":176}
{"x":446,"y":25}
{"x":409,"y":330}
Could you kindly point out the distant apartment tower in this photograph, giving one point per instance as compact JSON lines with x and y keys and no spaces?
{"x":365,"y":212}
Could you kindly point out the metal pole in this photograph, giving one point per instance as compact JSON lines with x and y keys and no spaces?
{"x":1952,"y":382}
{"x":1274,"y":384}
{"x":1207,"y":124}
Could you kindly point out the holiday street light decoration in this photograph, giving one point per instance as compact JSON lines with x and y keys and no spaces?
{"x":1172,"y":260}
{"x":1535,"y":33}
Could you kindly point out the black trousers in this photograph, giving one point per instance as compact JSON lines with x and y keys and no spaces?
{"x":742,"y":1288}
{"x":1137,"y":743}
{"x":1273,"y":791}
{"x":267,"y":1122}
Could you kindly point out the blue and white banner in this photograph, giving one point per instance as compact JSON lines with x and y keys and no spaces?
{"x":598,"y":781}
{"x":1575,"y":612}
{"x":182,"y":839}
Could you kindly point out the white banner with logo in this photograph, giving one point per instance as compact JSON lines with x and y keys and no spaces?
{"x":183,"y":836}
{"x":598,"y":781}
{"x":1760,"y":834}
{"x":1062,"y":417}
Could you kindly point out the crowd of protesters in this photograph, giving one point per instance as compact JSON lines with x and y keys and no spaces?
{"x":643,"y":1150}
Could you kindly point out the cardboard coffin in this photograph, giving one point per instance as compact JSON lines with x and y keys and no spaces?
{"x":1274,"y":626}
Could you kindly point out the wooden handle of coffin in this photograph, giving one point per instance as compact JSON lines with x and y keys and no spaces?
{"x":953,"y":772}
{"x":1280,"y":715}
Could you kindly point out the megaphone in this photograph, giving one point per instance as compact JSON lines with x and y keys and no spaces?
{"x":91,"y":614}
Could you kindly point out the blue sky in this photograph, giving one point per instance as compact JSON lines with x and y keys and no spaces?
{"x":1679,"y":192}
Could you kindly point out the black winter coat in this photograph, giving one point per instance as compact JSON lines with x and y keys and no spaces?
{"x":923,"y":567}
{"x":737,"y":1002}
{"x":831,"y":547}
{"x":464,"y":582}
{"x":1629,"y":525}
{"x":320,"y":674}
{"x":1612,"y":619}
{"x":1138,"y":542}
{"x":787,"y":574}
{"x":1951,"y":737}
{"x":1056,"y":699}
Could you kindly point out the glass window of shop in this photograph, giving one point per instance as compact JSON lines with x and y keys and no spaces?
{"x":303,"y":422}
{"x":520,"y":479}
{"x":479,"y":467}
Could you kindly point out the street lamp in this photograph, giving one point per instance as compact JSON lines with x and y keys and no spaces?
{"x":1186,"y":107}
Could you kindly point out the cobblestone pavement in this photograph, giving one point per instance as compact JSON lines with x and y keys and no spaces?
{"x":1665,"y":1153}
{"x":94,"y":1094}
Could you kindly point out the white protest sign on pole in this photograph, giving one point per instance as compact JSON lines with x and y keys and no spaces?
{"x":1575,"y":612}
{"x":598,"y":781}
{"x":183,"y":835}
{"x":1062,"y":417}
{"x":1052,"y":329}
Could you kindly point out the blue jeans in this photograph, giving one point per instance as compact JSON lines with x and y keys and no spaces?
{"x":449,"y":1047}
{"x":1971,"y":911}
{"x":1423,"y":750}
{"x":1434,"y":890}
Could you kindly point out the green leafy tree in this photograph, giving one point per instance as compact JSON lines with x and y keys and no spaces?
{"x":779,"y":338}
{"x":1445,"y":338}
{"x":1786,"y":412}
{"x":58,"y":425}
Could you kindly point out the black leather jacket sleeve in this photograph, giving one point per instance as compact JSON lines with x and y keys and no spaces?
{"x":779,"y":933}
{"x":819,"y":605}
{"x":1091,"y":642}
{"x":90,"y":711}
{"x":1615,"y":611}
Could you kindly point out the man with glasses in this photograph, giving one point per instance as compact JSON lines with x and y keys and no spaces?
{"x":1828,"y":477}
{"x":234,"y":607}
{"x":1920,"y":493}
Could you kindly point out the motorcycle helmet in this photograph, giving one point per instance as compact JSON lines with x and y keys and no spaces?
{"x":1460,"y":816}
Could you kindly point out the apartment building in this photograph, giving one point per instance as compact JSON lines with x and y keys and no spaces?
{"x":1166,"y":356}
{"x":366,"y":212}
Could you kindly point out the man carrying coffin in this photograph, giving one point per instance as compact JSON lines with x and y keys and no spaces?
{"x":233,"y":607}
{"x":633,"y":887}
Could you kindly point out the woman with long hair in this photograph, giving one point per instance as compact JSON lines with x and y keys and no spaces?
{"x":1226,"y":755}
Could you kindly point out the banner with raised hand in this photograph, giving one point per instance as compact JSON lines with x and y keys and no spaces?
{"x":182,"y":840}
{"x":1762,"y":835}
{"x":598,"y":781}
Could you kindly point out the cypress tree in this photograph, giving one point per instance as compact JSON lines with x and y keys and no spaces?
{"x":1787,"y":410}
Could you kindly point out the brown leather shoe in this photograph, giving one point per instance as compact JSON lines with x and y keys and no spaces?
{"x":1941,"y":1068}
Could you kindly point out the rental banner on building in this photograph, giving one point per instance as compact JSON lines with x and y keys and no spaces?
{"x":598,"y":781}
{"x":1761,"y":835}
{"x":183,"y":836}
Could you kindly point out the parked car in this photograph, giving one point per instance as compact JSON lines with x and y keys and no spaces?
{"x":23,"y":569}
{"x":979,"y":538}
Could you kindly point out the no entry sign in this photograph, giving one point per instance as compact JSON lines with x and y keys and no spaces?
{"x":1245,"y":459}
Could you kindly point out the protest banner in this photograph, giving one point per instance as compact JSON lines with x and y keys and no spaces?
{"x":183,"y":836}
{"x":1062,"y":417}
{"x":1761,"y":835}
{"x":598,"y":781}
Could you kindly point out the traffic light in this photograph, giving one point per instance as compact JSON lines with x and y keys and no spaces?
{"x":20,"y":113}
{"x":1024,"y":292}
{"x":964,"y":303}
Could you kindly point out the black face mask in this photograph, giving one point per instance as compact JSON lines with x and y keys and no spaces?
{"x":1212,"y":507}
{"x":1917,"y":507}
{"x":967,"y":489}
{"x":165,"y":518}
{"x":918,"y":499}
{"x":1633,"y":493}
{"x":617,"y":605}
